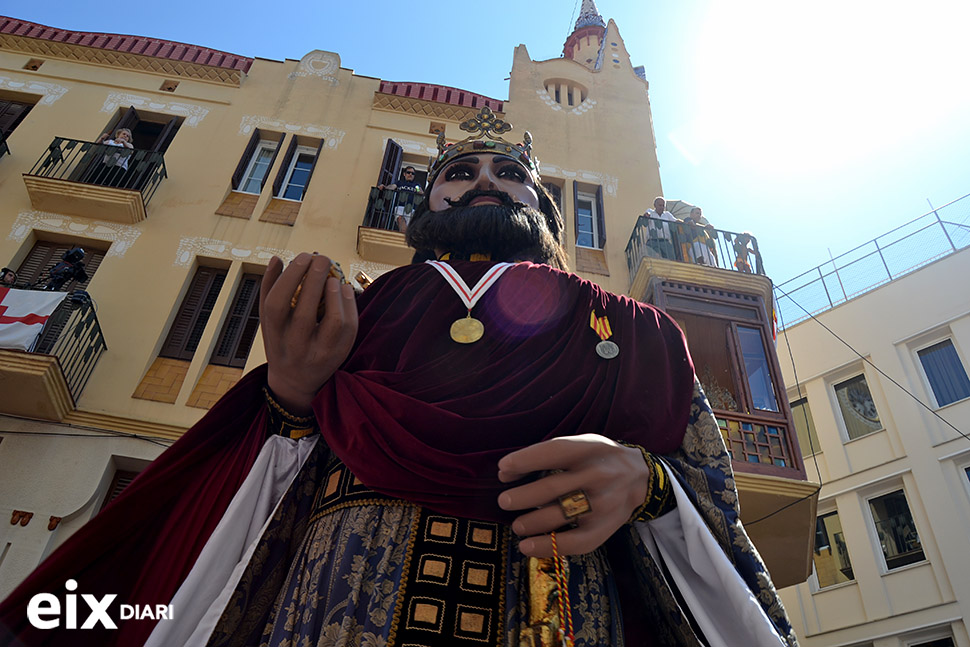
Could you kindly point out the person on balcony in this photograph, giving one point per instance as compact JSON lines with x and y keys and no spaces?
{"x":114,"y":166}
{"x":407,"y":187}
{"x":659,"y":233}
{"x":699,"y":246}
{"x":511,"y":464}
{"x":8,"y":278}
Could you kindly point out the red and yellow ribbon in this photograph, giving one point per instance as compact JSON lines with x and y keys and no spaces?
{"x":600,"y":325}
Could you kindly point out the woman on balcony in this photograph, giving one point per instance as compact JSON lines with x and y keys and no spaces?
{"x":114,"y":165}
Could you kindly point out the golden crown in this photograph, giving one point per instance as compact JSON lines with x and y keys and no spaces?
{"x":485,"y":128}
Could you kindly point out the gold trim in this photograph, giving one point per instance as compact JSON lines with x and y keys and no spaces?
{"x":111,"y":58}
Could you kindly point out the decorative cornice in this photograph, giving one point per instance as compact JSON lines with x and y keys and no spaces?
{"x":106,"y":422}
{"x":320,"y":64}
{"x":423,"y":108}
{"x":113,"y":58}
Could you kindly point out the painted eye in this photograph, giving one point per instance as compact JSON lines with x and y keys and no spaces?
{"x":512,"y":171}
{"x":458,"y":172}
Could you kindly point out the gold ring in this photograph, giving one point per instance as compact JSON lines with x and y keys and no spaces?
{"x":575,"y":504}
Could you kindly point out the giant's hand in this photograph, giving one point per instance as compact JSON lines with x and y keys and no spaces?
{"x":613,"y":476}
{"x":302,"y":352}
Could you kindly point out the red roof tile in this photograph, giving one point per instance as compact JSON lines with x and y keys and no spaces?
{"x":129,"y":44}
{"x":441,"y":94}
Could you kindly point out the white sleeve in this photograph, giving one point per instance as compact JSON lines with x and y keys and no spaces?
{"x":724,"y":607}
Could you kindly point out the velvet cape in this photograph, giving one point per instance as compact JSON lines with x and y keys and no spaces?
{"x":412,"y":413}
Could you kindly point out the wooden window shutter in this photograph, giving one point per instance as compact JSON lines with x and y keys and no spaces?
{"x":391,"y":164}
{"x":121,"y":480}
{"x":11,"y":114}
{"x":600,"y":218}
{"x":165,"y":137}
{"x":556,"y":194}
{"x":128,"y":120}
{"x":576,"y":208}
{"x":237,"y":175}
{"x":287,"y":158}
{"x":239,"y":330}
{"x":45,"y":255}
{"x":272,"y":160}
{"x":313,"y":166}
{"x":193,"y":314}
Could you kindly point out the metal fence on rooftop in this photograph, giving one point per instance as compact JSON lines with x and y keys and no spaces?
{"x":906,"y":248}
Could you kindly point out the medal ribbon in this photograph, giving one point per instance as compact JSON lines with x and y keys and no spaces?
{"x":470,"y":296}
{"x":600,"y":325}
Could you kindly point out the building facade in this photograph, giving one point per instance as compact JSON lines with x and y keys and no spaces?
{"x":234,"y":160}
{"x":890,"y":567}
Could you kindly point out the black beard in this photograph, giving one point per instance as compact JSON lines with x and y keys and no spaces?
{"x":511,"y":231}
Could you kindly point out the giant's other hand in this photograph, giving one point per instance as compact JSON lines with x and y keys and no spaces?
{"x":613,"y":476}
{"x":303,"y":353}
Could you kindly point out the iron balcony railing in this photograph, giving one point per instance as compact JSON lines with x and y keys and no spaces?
{"x":390,"y":208}
{"x":102,"y":165}
{"x":688,"y":243}
{"x":73,"y":335}
{"x":906,"y":248}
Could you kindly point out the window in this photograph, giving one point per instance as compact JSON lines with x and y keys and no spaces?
{"x":945,"y":373}
{"x":236,"y":338}
{"x":150,"y":131}
{"x":757,"y":369}
{"x":590,"y":228}
{"x":831,"y":557}
{"x":34,"y":271}
{"x":256,"y":162}
{"x":555,"y":190}
{"x":857,"y":407}
{"x":193,"y":314}
{"x":295,"y":172}
{"x":805,"y":427}
{"x":121,"y":480}
{"x":942,"y":642}
{"x":896,"y":530}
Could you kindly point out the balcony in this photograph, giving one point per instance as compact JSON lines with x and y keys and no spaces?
{"x":381,"y":237}
{"x":85,"y":179}
{"x":47,"y":382}
{"x":693,"y":254}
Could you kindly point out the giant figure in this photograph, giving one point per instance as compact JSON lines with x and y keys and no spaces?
{"x":478,"y":450}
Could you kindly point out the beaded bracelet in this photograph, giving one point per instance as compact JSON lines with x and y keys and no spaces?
{"x":283,"y":423}
{"x":660,"y":495}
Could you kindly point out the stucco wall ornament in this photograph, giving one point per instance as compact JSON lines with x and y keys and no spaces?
{"x":51,"y":91}
{"x":583,"y":107}
{"x":332,"y":136}
{"x":193,"y":114}
{"x":372,"y":270}
{"x":608,"y":182}
{"x":411,"y":146}
{"x":320,"y":64}
{"x":190,"y":247}
{"x":122,"y":236}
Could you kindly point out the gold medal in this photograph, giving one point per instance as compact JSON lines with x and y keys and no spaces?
{"x":467,"y":330}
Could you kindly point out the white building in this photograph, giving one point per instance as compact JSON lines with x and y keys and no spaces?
{"x":890,"y":557}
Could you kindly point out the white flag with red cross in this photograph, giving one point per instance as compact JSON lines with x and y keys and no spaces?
{"x":23,"y":314}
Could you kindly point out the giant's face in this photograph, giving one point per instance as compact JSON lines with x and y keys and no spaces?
{"x":487,"y":172}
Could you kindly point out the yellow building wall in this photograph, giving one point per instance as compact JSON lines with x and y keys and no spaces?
{"x":605,"y":141}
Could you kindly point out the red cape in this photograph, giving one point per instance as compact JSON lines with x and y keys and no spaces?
{"x":412,"y":413}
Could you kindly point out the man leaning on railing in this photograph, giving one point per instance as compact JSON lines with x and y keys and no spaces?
{"x":407,"y":187}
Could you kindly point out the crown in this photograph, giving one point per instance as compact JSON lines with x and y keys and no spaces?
{"x":484,"y":128}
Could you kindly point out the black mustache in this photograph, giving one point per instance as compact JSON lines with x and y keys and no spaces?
{"x":471,"y":194}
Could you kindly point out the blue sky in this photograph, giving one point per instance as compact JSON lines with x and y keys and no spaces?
{"x":816,"y":126}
